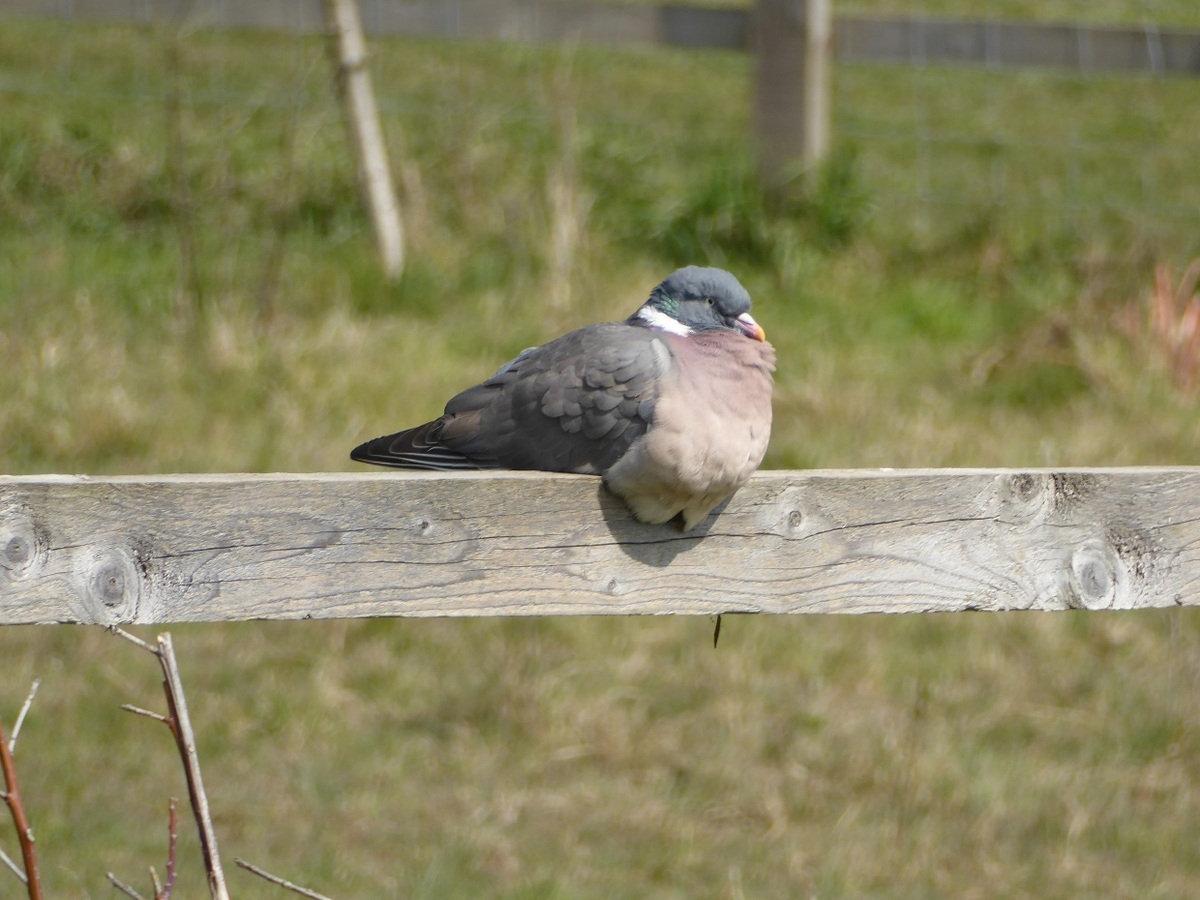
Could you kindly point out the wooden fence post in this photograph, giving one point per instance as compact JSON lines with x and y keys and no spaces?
{"x":793,"y":46}
{"x":362,"y":123}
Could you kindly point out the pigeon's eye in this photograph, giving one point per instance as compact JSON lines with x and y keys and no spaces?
{"x":710,"y":301}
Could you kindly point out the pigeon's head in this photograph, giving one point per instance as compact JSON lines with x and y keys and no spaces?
{"x":696,"y":298}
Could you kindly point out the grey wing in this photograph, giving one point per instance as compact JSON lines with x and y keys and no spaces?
{"x":572,"y":405}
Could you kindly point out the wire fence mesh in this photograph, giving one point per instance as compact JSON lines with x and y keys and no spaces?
{"x":936,"y":146}
{"x":1053,"y":148}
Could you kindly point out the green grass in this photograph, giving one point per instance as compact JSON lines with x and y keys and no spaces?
{"x":187,"y":284}
{"x":1163,"y":13}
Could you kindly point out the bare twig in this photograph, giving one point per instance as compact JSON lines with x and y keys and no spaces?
{"x":282,"y":882}
{"x":132,"y":638}
{"x":161,"y":891}
{"x":12,"y":796}
{"x":180,"y":724}
{"x":185,"y":740}
{"x":164,"y":893}
{"x":123,"y":887}
{"x":12,"y":741}
{"x":16,"y":870}
{"x":138,"y":711}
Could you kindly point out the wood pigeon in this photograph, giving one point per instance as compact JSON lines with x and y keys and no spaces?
{"x":672,"y":406}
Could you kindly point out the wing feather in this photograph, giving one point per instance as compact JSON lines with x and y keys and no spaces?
{"x":575,"y":404}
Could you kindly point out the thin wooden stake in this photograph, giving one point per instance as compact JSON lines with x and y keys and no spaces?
{"x":362,"y":122}
{"x":818,"y":53}
{"x":793,"y":48}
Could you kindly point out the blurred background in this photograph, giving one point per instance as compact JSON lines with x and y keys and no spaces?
{"x":994,"y":263}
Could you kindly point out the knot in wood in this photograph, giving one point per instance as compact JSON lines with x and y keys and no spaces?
{"x":1024,"y":486}
{"x":108,"y":584}
{"x":427,"y":535}
{"x":16,"y":551}
{"x":792,"y":515}
{"x":111,"y":586}
{"x":1024,"y":496}
{"x":1045,"y":496}
{"x":1096,"y":578}
{"x":20,"y":549}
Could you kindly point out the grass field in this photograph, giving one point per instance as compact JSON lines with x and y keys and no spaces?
{"x":187,"y":284}
{"x":1176,"y":13}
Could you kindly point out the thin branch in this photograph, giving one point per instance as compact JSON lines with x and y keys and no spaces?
{"x":12,"y":741}
{"x":16,"y":870}
{"x":123,"y":887}
{"x":185,"y":740}
{"x":138,"y":711}
{"x":172,"y":833}
{"x":132,"y":638}
{"x":282,"y":882}
{"x":12,"y":797}
{"x":161,"y":892}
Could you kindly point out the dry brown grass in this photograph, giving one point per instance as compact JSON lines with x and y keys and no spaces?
{"x":1165,"y":327}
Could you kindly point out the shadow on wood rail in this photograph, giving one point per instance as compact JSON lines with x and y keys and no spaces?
{"x":190,"y":548}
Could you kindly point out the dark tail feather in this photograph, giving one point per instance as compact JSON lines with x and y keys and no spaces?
{"x":416,"y":448}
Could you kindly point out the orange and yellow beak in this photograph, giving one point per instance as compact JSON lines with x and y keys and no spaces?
{"x":751,"y":329}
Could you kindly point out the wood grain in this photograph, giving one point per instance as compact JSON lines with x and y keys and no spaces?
{"x":161,"y":549}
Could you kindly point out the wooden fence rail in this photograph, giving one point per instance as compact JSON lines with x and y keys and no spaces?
{"x":159,"y":549}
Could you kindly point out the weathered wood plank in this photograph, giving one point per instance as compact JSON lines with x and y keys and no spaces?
{"x":228,"y":547}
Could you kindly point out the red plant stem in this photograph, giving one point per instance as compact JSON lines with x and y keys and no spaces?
{"x":12,"y":796}
{"x":172,"y":834}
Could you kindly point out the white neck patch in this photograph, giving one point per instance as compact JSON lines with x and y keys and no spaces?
{"x":657,"y":319}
